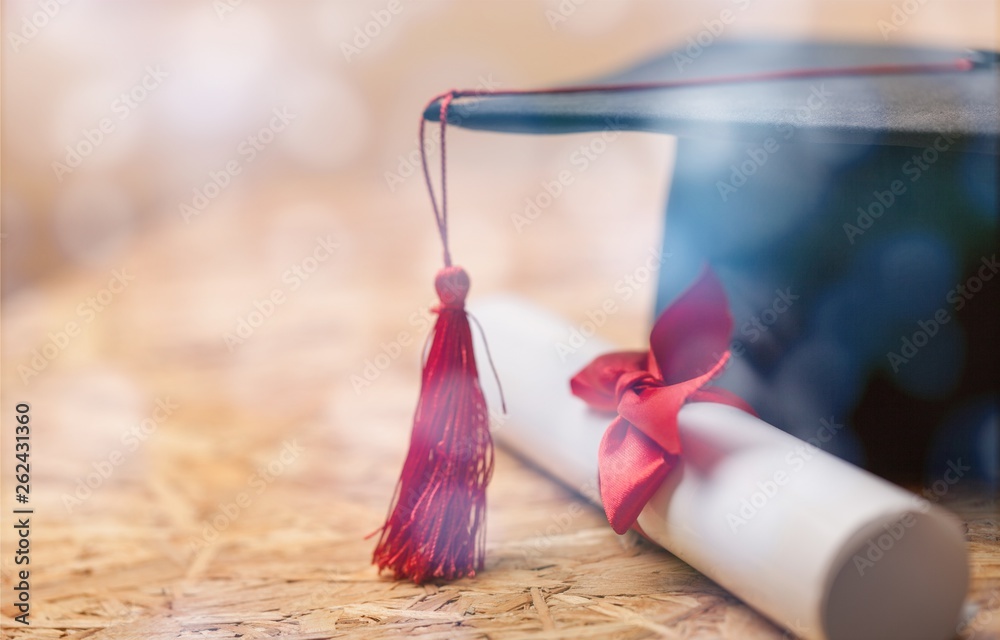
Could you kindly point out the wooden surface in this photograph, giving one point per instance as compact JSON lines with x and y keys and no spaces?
{"x":242,"y":513}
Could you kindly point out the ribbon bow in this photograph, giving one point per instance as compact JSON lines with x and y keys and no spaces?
{"x":688,"y":347}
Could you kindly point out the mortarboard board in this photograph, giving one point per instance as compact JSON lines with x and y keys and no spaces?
{"x":849,"y":217}
{"x":905,"y":109}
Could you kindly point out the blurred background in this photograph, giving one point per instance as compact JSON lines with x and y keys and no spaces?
{"x":219,"y":202}
{"x":355,"y":86}
{"x":169,"y":166}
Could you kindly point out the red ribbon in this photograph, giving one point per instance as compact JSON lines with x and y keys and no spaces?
{"x":688,"y":347}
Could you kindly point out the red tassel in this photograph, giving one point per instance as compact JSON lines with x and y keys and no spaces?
{"x":435,"y":527}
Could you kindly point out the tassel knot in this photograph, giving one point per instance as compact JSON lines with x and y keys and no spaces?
{"x":452,"y":285}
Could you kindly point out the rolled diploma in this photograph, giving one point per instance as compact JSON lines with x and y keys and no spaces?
{"x":818,"y":545}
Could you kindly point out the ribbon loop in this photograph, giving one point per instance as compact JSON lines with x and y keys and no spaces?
{"x":688,"y":347}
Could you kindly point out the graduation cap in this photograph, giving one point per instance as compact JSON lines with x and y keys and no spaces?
{"x":847,"y":197}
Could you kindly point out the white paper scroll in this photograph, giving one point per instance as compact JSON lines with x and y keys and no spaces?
{"x":821,"y":547}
